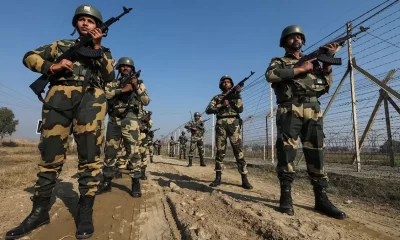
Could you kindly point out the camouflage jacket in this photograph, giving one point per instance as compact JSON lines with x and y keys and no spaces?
{"x":182,"y":140}
{"x":149,"y":138}
{"x":41,"y":59}
{"x":157,"y":144}
{"x":234,"y":108}
{"x":139,"y":99}
{"x":281,"y":74}
{"x":172,"y":143}
{"x":195,"y":134}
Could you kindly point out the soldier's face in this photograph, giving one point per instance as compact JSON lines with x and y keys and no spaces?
{"x":226,"y":84}
{"x":294,"y":41}
{"x":197,"y":117}
{"x":85,"y":24}
{"x":125,"y":69}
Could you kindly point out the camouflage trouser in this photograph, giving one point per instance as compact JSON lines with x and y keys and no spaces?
{"x":151,"y":150}
{"x":121,"y":156}
{"x":127,"y":129}
{"x":200,"y":148}
{"x":304,"y":121}
{"x":142,"y":150}
{"x":87,"y":120}
{"x":229,"y":128}
{"x":182,"y":150}
{"x":171,"y":150}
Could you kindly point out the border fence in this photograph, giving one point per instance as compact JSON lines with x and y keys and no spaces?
{"x":362,"y":121}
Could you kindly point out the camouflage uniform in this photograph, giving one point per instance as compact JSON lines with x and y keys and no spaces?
{"x":172,"y":144}
{"x":145,"y":125}
{"x":228,"y":126}
{"x":182,"y":145}
{"x":157,"y":147}
{"x":196,"y":128}
{"x":123,"y":124}
{"x":66,"y":106}
{"x":149,"y":139}
{"x":299,"y":117}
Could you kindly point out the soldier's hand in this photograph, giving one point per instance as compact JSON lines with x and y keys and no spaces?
{"x":238,"y":89}
{"x":63,"y":64}
{"x":97,"y":35}
{"x":331,"y":48}
{"x":134,"y":81}
{"x":307,"y":66}
{"x":225,"y":103}
{"x":128,"y":88}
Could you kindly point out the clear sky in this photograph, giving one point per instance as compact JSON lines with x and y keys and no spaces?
{"x":182,"y":46}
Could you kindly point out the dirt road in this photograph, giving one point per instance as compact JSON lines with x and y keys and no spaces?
{"x":177,"y":203}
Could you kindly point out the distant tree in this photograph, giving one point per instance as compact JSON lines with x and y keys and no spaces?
{"x":8,"y":122}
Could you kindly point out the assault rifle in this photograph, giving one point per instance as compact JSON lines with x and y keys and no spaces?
{"x":321,"y":53}
{"x":127,"y":79}
{"x":232,"y":92}
{"x":197,"y":125}
{"x":40,"y":84}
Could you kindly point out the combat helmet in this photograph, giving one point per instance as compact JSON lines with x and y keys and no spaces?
{"x":197,"y":114}
{"x":223,"y":78}
{"x":87,"y":10}
{"x":125,"y":61}
{"x":291,"y":30}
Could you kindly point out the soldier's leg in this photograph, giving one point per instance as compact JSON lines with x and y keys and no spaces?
{"x":130,"y":134}
{"x":54,"y":136}
{"x":200,"y":149}
{"x":191,"y":152}
{"x":122,"y":157}
{"x":220,"y":140}
{"x":143,"y":157}
{"x":151,"y":152}
{"x":313,"y":144}
{"x":289,"y":121}
{"x":89,"y":135}
{"x":113,"y":140}
{"x":236,"y":143}
{"x":184,"y":151}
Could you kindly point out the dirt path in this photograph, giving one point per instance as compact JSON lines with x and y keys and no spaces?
{"x":177,"y":203}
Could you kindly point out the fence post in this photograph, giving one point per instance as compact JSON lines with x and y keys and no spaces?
{"x":353,"y":97}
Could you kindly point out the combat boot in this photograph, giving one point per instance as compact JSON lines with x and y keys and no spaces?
{"x":38,"y":217}
{"x":136,"y":193}
{"x":286,"y":202}
{"x":151,"y":159}
{"x":245,"y":182}
{"x":143,"y":171}
{"x":217,"y":180}
{"x":190,"y":162}
{"x":105,"y":186}
{"x":323,"y":205}
{"x":85,"y":227}
{"x":202,"y":163}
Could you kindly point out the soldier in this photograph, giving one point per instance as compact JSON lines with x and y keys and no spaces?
{"x":182,"y":145}
{"x":124,"y":105}
{"x":75,"y":97}
{"x":149,"y":139}
{"x":196,"y":128}
{"x":172,"y":144}
{"x":228,"y":126}
{"x":157,"y":146}
{"x":145,"y":125}
{"x":299,"y":114}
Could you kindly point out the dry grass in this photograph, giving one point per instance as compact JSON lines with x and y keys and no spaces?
{"x":18,"y":165}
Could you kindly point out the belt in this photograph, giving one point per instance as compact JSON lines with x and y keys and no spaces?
{"x":230,"y":116}
{"x":67,"y":83}
{"x":304,"y":99}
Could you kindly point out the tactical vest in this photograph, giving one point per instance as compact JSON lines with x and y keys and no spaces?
{"x":307,"y":84}
{"x":83,"y":67}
